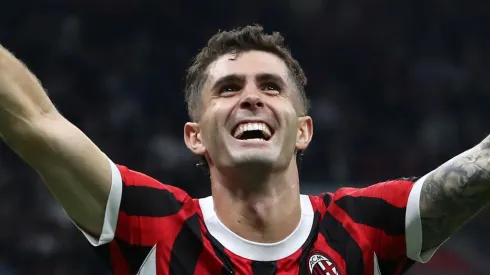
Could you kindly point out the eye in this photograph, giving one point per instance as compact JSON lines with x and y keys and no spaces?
{"x":271,"y":87}
{"x":229,"y":88}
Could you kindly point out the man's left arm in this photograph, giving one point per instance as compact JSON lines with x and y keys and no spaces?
{"x":454,"y":193}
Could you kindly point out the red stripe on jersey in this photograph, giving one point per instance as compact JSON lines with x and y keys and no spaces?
{"x":289,"y":265}
{"x":162,"y":259}
{"x":164,"y":248}
{"x":241,"y":265}
{"x":394,"y":192}
{"x":118,"y":262}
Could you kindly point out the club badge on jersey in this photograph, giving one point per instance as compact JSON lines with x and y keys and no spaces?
{"x":320,"y":264}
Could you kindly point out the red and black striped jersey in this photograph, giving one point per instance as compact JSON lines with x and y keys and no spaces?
{"x":152,"y":228}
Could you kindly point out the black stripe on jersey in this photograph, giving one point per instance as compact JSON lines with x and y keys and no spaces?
{"x":219,"y":250}
{"x":187,"y":248}
{"x":306,"y":247}
{"x":264,"y":268}
{"x":375,"y":212}
{"x":148,"y":202}
{"x":342,"y":242}
{"x":135,"y":255}
{"x":327,"y":199}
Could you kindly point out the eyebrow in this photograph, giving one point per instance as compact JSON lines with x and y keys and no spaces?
{"x":261,"y":77}
{"x":228,"y":78}
{"x":271,"y":77}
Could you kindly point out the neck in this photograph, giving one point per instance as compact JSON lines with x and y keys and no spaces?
{"x":260,"y":207}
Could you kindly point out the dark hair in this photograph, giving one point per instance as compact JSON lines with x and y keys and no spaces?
{"x":237,"y":41}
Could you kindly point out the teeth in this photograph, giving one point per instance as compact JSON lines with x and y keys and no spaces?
{"x":252,"y":127}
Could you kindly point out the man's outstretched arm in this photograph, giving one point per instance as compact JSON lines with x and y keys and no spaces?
{"x":454,"y":193}
{"x":75,"y":170}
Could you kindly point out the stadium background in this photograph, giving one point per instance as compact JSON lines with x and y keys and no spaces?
{"x":397,"y":87}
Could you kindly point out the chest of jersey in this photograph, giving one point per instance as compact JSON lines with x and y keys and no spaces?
{"x":326,"y":251}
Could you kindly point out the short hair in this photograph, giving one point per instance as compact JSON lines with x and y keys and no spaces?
{"x":236,"y":41}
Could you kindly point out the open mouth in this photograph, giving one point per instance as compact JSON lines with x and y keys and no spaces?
{"x":252,"y":130}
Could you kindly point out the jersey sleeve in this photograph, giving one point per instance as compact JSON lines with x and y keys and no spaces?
{"x":413,"y":226}
{"x":388,"y":215}
{"x":140,"y":211}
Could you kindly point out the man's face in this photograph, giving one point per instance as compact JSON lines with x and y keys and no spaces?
{"x":249,"y":114}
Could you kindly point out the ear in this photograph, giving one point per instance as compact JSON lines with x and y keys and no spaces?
{"x":192,"y":138}
{"x":305,"y":132}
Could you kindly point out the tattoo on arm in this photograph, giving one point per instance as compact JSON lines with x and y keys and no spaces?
{"x":454,"y":193}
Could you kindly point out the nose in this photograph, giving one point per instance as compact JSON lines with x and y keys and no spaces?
{"x":251,"y":100}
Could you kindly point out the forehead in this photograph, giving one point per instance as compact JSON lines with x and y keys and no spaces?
{"x":247,"y":63}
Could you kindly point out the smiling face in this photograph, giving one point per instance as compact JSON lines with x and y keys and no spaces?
{"x":250,"y":114}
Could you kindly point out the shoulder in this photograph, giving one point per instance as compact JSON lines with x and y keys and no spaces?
{"x":391,"y":190}
{"x":142,"y":195}
{"x":382,"y":195}
{"x":140,"y":183}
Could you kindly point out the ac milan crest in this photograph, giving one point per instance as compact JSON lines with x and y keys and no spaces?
{"x":321,"y":265}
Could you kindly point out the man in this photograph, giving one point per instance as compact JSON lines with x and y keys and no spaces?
{"x":247,"y":103}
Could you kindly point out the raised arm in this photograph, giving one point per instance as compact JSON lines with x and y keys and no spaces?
{"x":75,"y":170}
{"x":454,"y":193}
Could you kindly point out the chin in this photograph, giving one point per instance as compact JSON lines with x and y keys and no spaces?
{"x":256,"y":160}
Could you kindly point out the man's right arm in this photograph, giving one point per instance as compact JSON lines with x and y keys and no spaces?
{"x":75,"y":170}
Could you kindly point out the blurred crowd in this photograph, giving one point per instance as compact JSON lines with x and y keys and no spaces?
{"x":396,"y":89}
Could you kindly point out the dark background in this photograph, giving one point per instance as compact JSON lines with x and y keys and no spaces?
{"x":397,"y":88}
